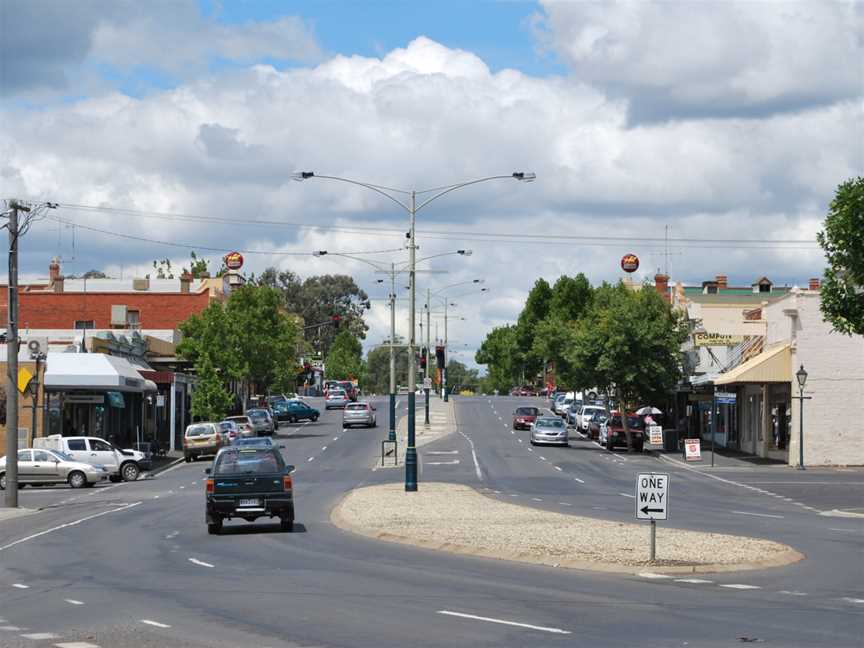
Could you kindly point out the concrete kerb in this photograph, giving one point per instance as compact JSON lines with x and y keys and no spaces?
{"x":787,"y":557}
{"x":11,"y":513}
{"x":437,"y":429}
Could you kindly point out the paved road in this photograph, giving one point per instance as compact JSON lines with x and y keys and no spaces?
{"x":132,"y":565}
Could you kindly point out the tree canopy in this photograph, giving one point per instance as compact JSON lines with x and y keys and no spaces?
{"x":843,"y":242}
{"x":377,"y":377}
{"x":345,"y":359}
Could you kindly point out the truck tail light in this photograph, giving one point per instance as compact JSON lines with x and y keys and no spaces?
{"x":287,"y":483}
{"x":210,"y":486}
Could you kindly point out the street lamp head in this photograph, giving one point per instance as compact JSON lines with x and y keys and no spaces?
{"x":525,"y":176}
{"x":801,"y":375}
{"x":465,"y":252}
{"x":300,"y":176}
{"x":319,"y":253}
{"x":484,"y":290}
{"x":380,"y":281}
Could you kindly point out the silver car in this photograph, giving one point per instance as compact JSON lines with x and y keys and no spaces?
{"x":336,"y":399}
{"x":361,"y":413}
{"x":549,"y":429}
{"x":262,"y":421}
{"x":40,"y":466}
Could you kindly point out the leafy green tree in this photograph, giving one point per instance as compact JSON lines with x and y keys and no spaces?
{"x":460,"y":377}
{"x":317,"y":299}
{"x":552,"y":337}
{"x":377,"y":377}
{"x":536,"y":309}
{"x":211,"y":401}
{"x":628,"y":343}
{"x":570,"y":297}
{"x":843,"y":242}
{"x":504,"y":362}
{"x":345,"y":360}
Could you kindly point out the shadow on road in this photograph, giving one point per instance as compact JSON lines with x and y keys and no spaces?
{"x":249,"y":528}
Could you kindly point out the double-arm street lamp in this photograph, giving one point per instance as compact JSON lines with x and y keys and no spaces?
{"x":409,"y":203}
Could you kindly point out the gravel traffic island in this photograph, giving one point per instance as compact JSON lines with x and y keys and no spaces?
{"x":456,"y":518}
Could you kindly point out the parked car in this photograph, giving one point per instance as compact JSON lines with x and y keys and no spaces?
{"x":585,"y":414}
{"x":597,"y":419}
{"x":249,"y":483}
{"x":360,"y":413}
{"x":336,"y":399}
{"x":571,"y":412}
{"x":38,"y":467}
{"x":549,"y":429}
{"x":295,"y":410}
{"x":523,"y":417}
{"x":612,"y":432}
{"x":244,"y":423}
{"x":557,"y":402}
{"x":262,"y":422}
{"x":230,"y":431}
{"x":122,"y":464}
{"x":202,"y":439}
{"x":272,"y":399}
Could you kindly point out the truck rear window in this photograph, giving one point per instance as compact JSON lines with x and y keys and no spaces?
{"x":248,"y":461}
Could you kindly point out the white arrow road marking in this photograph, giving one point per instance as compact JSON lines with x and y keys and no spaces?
{"x":504,"y":622}
{"x":195,"y":561}
{"x":155,"y":623}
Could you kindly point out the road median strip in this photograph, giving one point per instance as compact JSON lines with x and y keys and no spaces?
{"x":459,"y":519}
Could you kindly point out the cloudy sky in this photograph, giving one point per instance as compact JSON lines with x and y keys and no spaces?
{"x":724,"y":126}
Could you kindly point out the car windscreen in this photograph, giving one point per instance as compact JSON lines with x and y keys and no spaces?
{"x":256,"y":414}
{"x":550,"y":423}
{"x":239,"y":420}
{"x":248,"y":461}
{"x":258,"y":443}
{"x":199,"y":430}
{"x":526,"y":411}
{"x":228,"y":425}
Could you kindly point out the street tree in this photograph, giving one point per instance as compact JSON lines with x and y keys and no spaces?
{"x":628,"y":343}
{"x":842,"y":240}
{"x":345,"y":360}
{"x":377,"y":376}
{"x":460,"y":377}
{"x":501,"y":354}
{"x":536,"y":309}
{"x":211,"y":401}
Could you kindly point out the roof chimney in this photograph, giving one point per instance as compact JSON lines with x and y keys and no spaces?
{"x":661,"y":285}
{"x":57,"y":285}
{"x":722,"y":282}
{"x":815,"y":283}
{"x":185,"y":280}
{"x":54,"y":270}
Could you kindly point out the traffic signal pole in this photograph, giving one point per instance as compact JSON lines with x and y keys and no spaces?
{"x":428,"y":322}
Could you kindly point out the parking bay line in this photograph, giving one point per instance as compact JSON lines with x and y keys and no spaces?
{"x":517,"y":624}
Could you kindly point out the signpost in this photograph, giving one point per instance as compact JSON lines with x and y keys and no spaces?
{"x":692,"y":450}
{"x":652,"y":502}
{"x":427,"y":382}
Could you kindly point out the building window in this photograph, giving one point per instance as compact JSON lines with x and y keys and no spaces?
{"x":84,"y":324}
{"x":133,"y":319}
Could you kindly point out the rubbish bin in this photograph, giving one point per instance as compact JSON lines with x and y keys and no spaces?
{"x":670,"y":440}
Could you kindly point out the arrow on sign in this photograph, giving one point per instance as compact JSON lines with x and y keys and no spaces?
{"x":647,"y":510}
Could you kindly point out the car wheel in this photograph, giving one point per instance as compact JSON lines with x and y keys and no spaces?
{"x":77,"y":479}
{"x":314,"y":418}
{"x":130,"y":471}
{"x":286,"y":524}
{"x":3,"y":481}
{"x":215,"y":527}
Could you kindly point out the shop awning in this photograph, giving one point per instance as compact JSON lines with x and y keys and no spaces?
{"x":95,"y":371}
{"x":774,"y":365}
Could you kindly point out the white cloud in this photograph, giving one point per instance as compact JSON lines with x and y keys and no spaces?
{"x":224,"y":146}
{"x":714,"y":57}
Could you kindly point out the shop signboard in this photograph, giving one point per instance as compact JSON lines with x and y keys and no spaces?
{"x":692,"y":449}
{"x":716,"y":339}
{"x":655,"y":434}
{"x":725,"y":398}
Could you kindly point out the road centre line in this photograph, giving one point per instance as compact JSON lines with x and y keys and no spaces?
{"x":847,"y":530}
{"x":536,"y":499}
{"x":195,"y":561}
{"x":517,"y":624}
{"x":653,"y":575}
{"x":67,"y":525}
{"x":323,"y":448}
{"x":20,"y":586}
{"x":627,"y":495}
{"x":849,"y":599}
{"x":579,"y":480}
{"x":311,"y":459}
{"x":693,"y":581}
{"x":767,"y":515}
{"x":74,"y":602}
{"x":792,"y":593}
{"x":740,"y":586}
{"x":558,"y":468}
{"x":155,"y":623}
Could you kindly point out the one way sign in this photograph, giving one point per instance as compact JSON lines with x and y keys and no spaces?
{"x":652,"y":496}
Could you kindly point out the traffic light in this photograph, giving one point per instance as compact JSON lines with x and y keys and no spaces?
{"x":336,"y":320}
{"x":423,"y":359}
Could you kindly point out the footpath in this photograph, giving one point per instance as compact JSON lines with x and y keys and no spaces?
{"x":442,"y":421}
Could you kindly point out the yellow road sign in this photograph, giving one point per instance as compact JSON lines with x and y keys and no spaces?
{"x":24,"y":378}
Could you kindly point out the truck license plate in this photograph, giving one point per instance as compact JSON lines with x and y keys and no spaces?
{"x":248,"y":502}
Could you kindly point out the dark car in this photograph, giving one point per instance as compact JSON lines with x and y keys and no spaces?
{"x":597,"y":419}
{"x":249,"y":483}
{"x":612,"y":432}
{"x":293,"y":411}
{"x":523,"y":417}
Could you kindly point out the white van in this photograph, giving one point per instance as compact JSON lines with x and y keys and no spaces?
{"x":121,"y":464}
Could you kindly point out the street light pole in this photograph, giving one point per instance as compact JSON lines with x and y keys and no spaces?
{"x":391,"y":435}
{"x":428,"y":328}
{"x":411,"y":449}
{"x":801,"y":376}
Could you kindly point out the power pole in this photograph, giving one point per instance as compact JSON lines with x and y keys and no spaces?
{"x":391,"y":435}
{"x":12,"y":361}
{"x":428,"y":326}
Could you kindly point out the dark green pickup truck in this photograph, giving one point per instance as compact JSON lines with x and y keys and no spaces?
{"x":249,"y":483}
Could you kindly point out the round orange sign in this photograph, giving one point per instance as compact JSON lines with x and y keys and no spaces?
{"x":629,"y":263}
{"x":233,"y":260}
